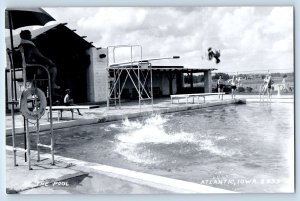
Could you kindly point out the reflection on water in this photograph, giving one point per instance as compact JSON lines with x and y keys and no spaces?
{"x":250,"y":145}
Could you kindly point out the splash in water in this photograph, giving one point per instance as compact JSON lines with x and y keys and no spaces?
{"x":140,"y":140}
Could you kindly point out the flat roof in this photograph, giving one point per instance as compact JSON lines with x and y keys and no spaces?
{"x":181,"y":69}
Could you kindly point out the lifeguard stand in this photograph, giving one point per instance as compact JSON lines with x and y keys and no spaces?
{"x":30,"y":95}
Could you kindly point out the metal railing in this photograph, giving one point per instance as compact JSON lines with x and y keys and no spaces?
{"x":14,"y":101}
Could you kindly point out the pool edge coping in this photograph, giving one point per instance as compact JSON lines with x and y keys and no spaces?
{"x":175,"y":186}
{"x":115,"y":117}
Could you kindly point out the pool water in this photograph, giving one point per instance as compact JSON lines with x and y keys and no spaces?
{"x":244,"y":148}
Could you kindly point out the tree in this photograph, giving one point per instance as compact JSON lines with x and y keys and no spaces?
{"x":225,"y":76}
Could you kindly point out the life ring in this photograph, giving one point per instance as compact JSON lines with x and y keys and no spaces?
{"x":39,"y":103}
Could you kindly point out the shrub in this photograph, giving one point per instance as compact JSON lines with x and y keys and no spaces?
{"x":249,"y":89}
{"x":241,"y":89}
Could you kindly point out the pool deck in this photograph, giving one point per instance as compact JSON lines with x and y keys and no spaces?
{"x":45,"y":178}
{"x":65,"y":177}
{"x":128,"y":110}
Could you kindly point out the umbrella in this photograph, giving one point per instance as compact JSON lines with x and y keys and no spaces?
{"x":21,"y":17}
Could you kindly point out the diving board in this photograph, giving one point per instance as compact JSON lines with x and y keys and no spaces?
{"x":187,"y":96}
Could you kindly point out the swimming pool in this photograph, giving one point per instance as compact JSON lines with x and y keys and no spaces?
{"x":244,"y":148}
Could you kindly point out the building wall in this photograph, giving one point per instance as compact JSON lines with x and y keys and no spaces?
{"x":165,"y":85}
{"x":97,"y":76}
{"x":159,"y":80}
{"x":174,"y":83}
{"x":156,"y":82}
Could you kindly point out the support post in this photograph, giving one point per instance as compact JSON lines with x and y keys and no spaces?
{"x":171,"y":77}
{"x":107,"y":88}
{"x":38,"y":139}
{"x":12,"y":54}
{"x":13,"y":136}
{"x":119,"y":93}
{"x":192,"y":82}
{"x":13,"y":98}
{"x":139,"y":88}
{"x":115,"y":91}
{"x":28,"y":145}
{"x":151,"y":87}
{"x":207,"y":82}
{"x":51,"y":119}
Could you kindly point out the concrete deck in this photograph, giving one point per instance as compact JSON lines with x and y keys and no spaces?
{"x":74,"y":176}
{"x":128,"y":110}
{"x":64,"y":178}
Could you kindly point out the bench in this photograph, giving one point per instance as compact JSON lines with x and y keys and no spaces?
{"x":186,"y":96}
{"x":59,"y":109}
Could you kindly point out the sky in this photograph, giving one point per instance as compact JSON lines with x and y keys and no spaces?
{"x":249,"y":38}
